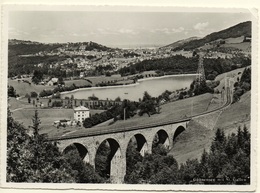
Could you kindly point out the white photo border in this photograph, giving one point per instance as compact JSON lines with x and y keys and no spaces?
{"x":123,"y":187}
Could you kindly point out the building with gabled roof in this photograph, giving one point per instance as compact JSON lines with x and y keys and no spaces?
{"x":52,"y":82}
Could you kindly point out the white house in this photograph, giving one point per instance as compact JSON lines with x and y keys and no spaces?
{"x":81,"y":113}
{"x":52,"y":82}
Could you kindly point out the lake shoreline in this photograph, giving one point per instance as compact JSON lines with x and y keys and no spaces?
{"x":124,"y":86}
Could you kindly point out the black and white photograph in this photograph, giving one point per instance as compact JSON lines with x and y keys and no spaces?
{"x":130,"y":97}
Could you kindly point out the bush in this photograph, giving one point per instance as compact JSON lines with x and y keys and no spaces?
{"x":237,"y":94}
{"x":27,"y":95}
{"x":211,"y":77}
{"x":243,"y":85}
{"x":213,"y":84}
{"x":57,"y":104}
{"x":246,"y":86}
{"x":34,"y":95}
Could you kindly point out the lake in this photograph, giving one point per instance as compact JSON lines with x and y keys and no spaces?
{"x":154,"y":86}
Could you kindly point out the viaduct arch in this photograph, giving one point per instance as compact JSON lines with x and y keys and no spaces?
{"x":118,"y":141}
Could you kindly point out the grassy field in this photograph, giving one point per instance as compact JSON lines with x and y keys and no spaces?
{"x":17,"y":104}
{"x":216,"y":102}
{"x":191,"y":142}
{"x":80,"y":82}
{"x":23,"y":88}
{"x":47,"y":116}
{"x":170,"y":111}
{"x":24,"y":114}
{"x":237,"y":113}
{"x":244,"y":46}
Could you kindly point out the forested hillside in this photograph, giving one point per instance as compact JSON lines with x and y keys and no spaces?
{"x":24,"y":55}
{"x":179,"y":64}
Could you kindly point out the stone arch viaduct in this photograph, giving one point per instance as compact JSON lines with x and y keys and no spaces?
{"x":118,"y":141}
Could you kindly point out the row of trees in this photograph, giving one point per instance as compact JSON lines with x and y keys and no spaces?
{"x":148,"y":105}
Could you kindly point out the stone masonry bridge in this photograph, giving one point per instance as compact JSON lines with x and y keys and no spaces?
{"x":118,"y":142}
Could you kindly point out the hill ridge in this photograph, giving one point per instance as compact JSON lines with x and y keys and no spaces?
{"x":238,"y":30}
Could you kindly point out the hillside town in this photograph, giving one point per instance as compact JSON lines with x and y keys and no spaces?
{"x":85,"y":58}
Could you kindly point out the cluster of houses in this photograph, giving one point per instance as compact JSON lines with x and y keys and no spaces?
{"x":79,"y":57}
{"x":50,"y":82}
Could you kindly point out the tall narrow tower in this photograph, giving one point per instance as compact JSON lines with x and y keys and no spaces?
{"x":200,"y":70}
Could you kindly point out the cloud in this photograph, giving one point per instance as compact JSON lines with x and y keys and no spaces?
{"x":103,"y":31}
{"x":178,"y":30}
{"x":127,"y":31}
{"x":75,"y":34}
{"x":167,"y":30}
{"x":16,"y":32}
{"x":201,"y":26}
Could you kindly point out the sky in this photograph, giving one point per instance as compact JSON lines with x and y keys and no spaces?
{"x":118,"y":29}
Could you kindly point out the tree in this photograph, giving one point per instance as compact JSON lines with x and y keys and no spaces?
{"x":243,"y":85}
{"x":133,"y":157}
{"x":17,"y":152}
{"x":118,"y":99}
{"x":93,"y":98}
{"x":188,"y":171}
{"x":49,"y":102}
{"x":156,"y":168}
{"x":102,"y":161}
{"x":61,"y":81}
{"x":29,"y":99}
{"x":127,"y":109}
{"x":201,"y":88}
{"x":148,"y":105}
{"x":11,"y":91}
{"x":108,"y":74}
{"x":34,"y":94}
{"x":83,"y":172}
{"x":211,"y":77}
{"x":46,"y":162}
{"x":37,"y":76}
{"x":32,"y":158}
